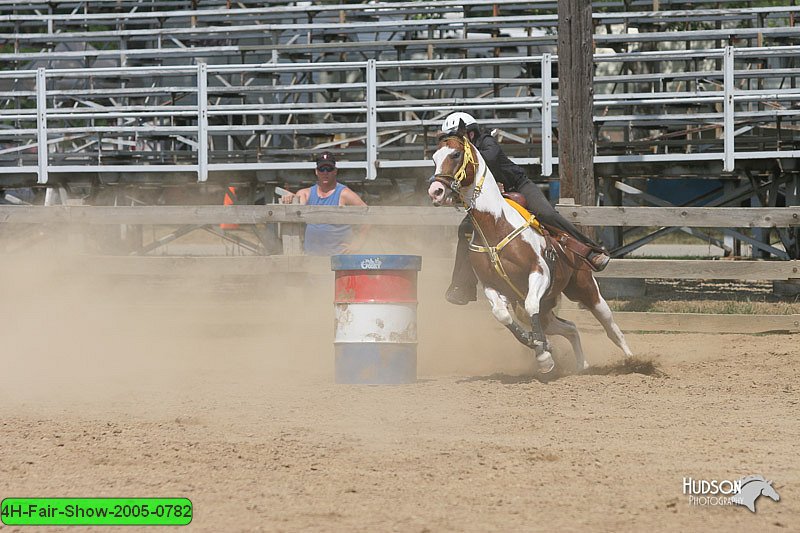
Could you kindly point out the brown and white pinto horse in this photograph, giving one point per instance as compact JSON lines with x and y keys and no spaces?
{"x":517,"y":264}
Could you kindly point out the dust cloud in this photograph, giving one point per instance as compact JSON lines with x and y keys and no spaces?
{"x":79,"y":328}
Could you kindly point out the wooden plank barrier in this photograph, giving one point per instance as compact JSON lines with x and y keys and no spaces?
{"x":282,"y":269}
{"x":430,"y":216}
{"x":698,"y":217}
{"x":262,"y":265}
{"x":689,"y":322}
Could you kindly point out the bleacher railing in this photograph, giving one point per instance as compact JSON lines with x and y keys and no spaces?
{"x":221,"y":118}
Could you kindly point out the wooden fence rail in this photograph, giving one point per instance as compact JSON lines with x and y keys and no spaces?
{"x":698,"y":217}
{"x":285,"y":264}
{"x":291,"y":215}
{"x":293,"y":273}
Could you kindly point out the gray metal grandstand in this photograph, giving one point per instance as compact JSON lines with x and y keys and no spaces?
{"x":135,"y":92}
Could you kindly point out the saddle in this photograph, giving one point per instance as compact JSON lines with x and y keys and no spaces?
{"x":516,"y":197}
{"x":552,"y":235}
{"x":527,"y":215}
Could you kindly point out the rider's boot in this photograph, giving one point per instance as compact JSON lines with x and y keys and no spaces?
{"x":596,"y":256}
{"x":464,"y":286}
{"x":461,"y":294}
{"x":598,"y":259}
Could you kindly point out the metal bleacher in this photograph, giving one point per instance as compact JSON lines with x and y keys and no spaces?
{"x":242,"y":92}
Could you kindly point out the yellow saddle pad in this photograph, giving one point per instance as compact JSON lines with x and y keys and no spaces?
{"x":527,"y":215}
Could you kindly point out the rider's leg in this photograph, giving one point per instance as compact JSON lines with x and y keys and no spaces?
{"x":540,"y":206}
{"x":544,"y":211}
{"x":463,"y":287}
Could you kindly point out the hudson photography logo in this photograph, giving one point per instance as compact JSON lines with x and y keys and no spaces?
{"x":744,"y":491}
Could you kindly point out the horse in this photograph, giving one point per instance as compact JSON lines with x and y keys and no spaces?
{"x":751,"y":488}
{"x":519,"y":263}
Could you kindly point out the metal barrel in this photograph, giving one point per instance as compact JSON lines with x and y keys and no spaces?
{"x":375,"y":300}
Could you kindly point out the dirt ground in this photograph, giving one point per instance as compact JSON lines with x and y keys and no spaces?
{"x":223,"y":394}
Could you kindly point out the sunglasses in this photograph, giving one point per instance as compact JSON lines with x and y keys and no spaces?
{"x":326,"y":169}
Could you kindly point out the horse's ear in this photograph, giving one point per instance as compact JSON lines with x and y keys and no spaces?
{"x":462,"y":128}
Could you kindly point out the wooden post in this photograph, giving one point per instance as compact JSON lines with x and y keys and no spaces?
{"x":291,"y":236}
{"x":292,"y":242}
{"x":576,"y":139}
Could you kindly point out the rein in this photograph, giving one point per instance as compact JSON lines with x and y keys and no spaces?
{"x":454,"y":184}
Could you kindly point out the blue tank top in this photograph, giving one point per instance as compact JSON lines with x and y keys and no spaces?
{"x":326,"y":239}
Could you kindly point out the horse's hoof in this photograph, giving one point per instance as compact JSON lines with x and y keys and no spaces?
{"x":545,"y":362}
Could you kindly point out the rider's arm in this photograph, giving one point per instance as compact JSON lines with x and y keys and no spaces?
{"x":512,"y":175}
{"x":490,"y":150}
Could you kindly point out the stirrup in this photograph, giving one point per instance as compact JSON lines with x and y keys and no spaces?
{"x":598,"y":260}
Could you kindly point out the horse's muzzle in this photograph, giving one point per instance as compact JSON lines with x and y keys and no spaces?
{"x":438,"y":193}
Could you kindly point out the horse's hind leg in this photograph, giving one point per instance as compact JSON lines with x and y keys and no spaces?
{"x":554,"y":325}
{"x":602,"y":312}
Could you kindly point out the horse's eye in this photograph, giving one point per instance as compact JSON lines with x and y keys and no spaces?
{"x":456,"y":155}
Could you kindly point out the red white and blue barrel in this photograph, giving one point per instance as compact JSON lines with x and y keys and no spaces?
{"x":375,"y":300}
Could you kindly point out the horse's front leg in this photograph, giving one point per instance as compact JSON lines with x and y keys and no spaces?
{"x":537,"y":287}
{"x":502,"y":312}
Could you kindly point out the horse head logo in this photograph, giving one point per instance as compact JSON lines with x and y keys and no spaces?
{"x":752,"y":488}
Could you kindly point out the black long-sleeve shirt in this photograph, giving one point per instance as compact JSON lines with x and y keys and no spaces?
{"x":503,"y":169}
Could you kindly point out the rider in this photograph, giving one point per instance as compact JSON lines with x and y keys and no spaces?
{"x":463,"y":288}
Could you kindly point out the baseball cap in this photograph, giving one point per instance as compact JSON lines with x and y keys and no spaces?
{"x":326,"y":159}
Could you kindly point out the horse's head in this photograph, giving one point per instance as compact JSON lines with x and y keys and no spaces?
{"x":456,"y":163}
{"x":769,"y":491}
{"x":751,"y":488}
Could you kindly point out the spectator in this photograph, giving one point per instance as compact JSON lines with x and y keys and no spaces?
{"x":329,"y":239}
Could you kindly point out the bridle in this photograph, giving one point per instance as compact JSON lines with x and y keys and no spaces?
{"x":456,"y":181}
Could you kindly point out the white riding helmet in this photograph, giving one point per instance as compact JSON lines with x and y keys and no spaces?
{"x":453,"y":121}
